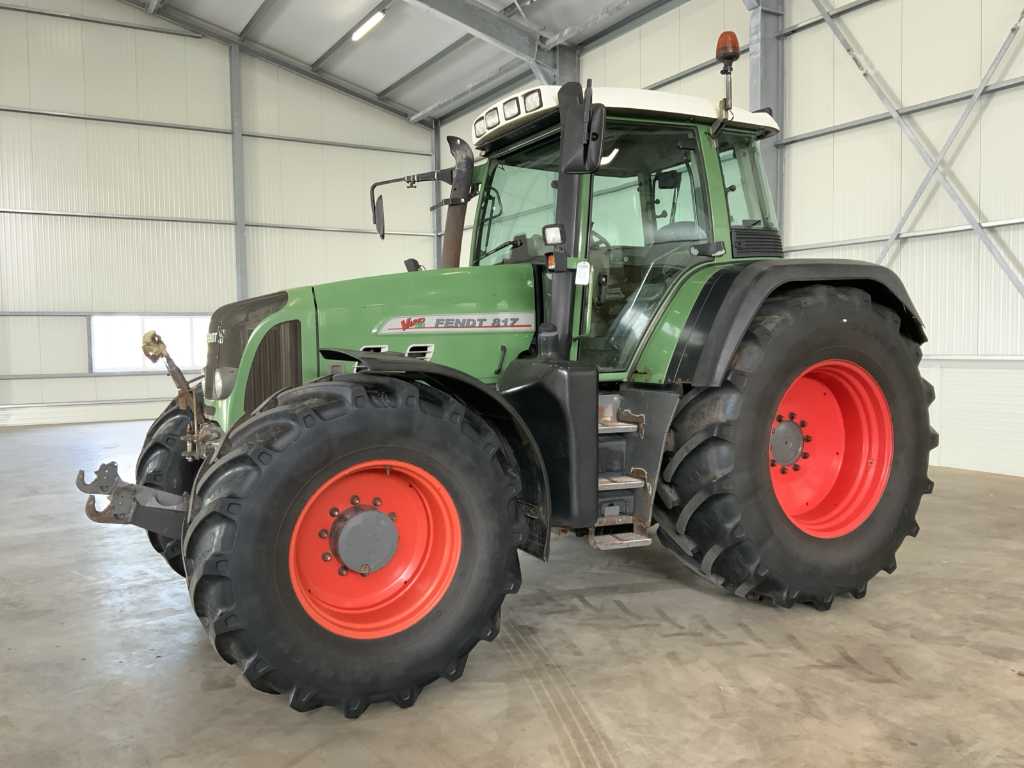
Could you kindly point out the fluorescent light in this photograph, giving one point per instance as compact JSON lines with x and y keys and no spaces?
{"x":532,"y":100}
{"x":366,"y":26}
{"x":479,"y":127}
{"x":491,"y":118}
{"x":511,"y":108}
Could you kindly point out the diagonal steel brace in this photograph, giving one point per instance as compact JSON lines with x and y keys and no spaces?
{"x":888,"y":248}
{"x":893,"y":108}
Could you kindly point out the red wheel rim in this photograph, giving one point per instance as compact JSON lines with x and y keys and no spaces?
{"x":399,"y":593}
{"x":830,"y":448}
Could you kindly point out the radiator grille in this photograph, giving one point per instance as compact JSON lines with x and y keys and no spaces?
{"x":277,"y":364}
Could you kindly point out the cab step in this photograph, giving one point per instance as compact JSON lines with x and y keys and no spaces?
{"x":616,"y":427}
{"x":621,"y":540}
{"x":618,"y":483}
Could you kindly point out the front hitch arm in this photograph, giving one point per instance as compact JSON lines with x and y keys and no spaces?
{"x":154,"y":510}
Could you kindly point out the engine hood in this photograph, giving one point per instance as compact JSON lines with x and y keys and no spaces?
{"x":474,"y":319}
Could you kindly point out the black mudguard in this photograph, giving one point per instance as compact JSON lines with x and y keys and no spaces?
{"x":535,"y":496}
{"x":734,"y":294}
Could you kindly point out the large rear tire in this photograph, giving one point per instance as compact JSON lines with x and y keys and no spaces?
{"x":799,"y":478}
{"x":268,"y":570}
{"x":162,"y":465}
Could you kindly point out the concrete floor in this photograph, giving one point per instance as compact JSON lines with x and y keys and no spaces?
{"x":605,"y":659}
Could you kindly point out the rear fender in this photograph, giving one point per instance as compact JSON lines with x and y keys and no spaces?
{"x":534,"y":498}
{"x":733,"y":295}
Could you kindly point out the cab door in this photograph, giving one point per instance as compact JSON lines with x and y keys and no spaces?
{"x":650,"y":222}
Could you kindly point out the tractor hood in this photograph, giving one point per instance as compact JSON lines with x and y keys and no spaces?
{"x":474,"y":319}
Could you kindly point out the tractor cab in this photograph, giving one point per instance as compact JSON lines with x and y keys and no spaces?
{"x":667,"y":195}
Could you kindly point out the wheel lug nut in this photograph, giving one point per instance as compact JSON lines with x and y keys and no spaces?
{"x":392,"y":515}
{"x":782,"y":471}
{"x":807,"y":438}
{"x":772,"y":463}
{"x":803,"y":423}
{"x":792,"y":416}
{"x":796,"y":467}
{"x":364,"y":570}
{"x":334,"y":512}
{"x":354,"y":501}
{"x":376,"y":501}
{"x":326,"y":556}
{"x":779,"y":417}
{"x":805,"y":455}
{"x":323,"y":533}
{"x":343,"y":571}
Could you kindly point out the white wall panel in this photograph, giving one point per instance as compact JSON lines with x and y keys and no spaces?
{"x":809,"y":185}
{"x":996,"y":18}
{"x":34,"y":344}
{"x":1002,"y":193}
{"x":941,"y":48}
{"x":942,"y":275}
{"x":57,"y":164}
{"x":982,"y":422}
{"x":69,"y":66}
{"x":285,"y":258}
{"x":324,"y":186}
{"x":73,"y":264}
{"x":810,"y":80}
{"x":284,"y":104}
{"x":659,"y":48}
{"x":877,"y":27}
{"x":1001,"y":308}
{"x":109,"y":71}
{"x":867,"y":185}
{"x":622,"y":62}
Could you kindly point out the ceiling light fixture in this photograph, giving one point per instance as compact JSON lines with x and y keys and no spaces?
{"x":372,"y":21}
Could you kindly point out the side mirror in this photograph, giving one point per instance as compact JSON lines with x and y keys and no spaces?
{"x":378,"y":215}
{"x":582,"y":129}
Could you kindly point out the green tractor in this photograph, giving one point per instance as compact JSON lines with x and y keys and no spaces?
{"x":627,"y":356}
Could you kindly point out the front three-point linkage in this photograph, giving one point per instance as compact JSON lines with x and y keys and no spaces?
{"x":149,"y":508}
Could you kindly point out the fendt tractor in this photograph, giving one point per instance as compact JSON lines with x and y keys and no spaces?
{"x":625,"y":356}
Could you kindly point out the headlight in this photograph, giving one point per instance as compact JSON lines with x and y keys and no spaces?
{"x":223,"y":382}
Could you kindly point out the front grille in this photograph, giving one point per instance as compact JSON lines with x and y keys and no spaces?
{"x":230,"y":329}
{"x":755,"y":241}
{"x":276,"y":365}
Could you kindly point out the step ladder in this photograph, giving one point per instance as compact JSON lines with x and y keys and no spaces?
{"x":616,"y":527}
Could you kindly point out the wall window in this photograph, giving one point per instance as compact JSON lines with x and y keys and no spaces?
{"x":116,"y":341}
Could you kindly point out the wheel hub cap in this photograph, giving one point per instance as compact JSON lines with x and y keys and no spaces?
{"x":365,"y":540}
{"x":787,"y":442}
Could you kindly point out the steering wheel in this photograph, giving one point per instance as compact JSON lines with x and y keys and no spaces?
{"x":599,"y":239}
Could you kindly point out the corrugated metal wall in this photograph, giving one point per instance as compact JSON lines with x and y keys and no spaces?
{"x":853,"y":184}
{"x":116,"y":193}
{"x":308,"y":174}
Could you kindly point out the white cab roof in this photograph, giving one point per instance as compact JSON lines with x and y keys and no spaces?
{"x":495,"y":123}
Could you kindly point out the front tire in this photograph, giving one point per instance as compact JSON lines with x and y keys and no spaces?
{"x":162,"y":465}
{"x":268,"y":570}
{"x":799,"y":478}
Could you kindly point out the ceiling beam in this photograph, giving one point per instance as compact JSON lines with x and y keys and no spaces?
{"x":419,"y":69}
{"x":524,"y":44}
{"x":257,"y":16}
{"x":345,"y":39}
{"x":152,"y":6}
{"x":283,"y":60}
